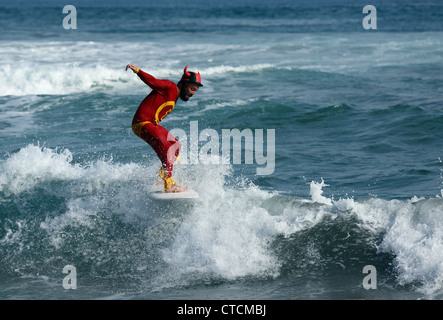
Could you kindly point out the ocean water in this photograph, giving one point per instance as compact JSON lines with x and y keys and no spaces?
{"x":354,"y":175}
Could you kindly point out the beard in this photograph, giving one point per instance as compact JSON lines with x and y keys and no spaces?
{"x":184,"y":92}
{"x":183,"y":95}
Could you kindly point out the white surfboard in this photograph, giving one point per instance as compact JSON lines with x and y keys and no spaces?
{"x":159,"y":193}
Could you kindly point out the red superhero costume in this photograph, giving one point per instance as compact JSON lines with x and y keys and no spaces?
{"x":152,"y":110}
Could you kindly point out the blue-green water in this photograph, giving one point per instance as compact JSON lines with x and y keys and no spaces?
{"x":358,"y":177}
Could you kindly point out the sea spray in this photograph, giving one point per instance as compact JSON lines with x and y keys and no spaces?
{"x":316,"y":192}
{"x":415,"y":237}
{"x":94,"y":218}
{"x":34,"y":164}
{"x":227,"y":233}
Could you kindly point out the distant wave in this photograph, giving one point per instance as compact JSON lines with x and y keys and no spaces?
{"x":43,"y":79}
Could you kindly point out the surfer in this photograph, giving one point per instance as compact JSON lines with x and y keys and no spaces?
{"x":153,"y":109}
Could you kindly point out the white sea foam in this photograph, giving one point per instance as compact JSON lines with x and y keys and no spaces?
{"x":65,"y":67}
{"x":58,"y":68}
{"x":38,"y":79}
{"x":412,"y":231}
{"x":316,"y":192}
{"x":235,"y":103}
{"x":227,"y":236}
{"x":34,"y":164}
{"x":223,"y":69}
{"x":84,"y":187}
{"x":35,"y":79}
{"x":416,"y":239}
{"x":228,"y":232}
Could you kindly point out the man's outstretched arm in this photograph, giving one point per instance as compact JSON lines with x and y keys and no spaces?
{"x":155,"y":84}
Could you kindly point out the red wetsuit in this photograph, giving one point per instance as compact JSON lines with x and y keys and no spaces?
{"x":145,"y":124}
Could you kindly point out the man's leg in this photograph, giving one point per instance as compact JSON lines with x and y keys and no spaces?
{"x":167,"y":148}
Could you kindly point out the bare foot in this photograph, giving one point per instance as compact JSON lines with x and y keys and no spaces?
{"x":175,"y":188}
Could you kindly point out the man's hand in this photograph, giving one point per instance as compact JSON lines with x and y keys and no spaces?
{"x":132,"y":67}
